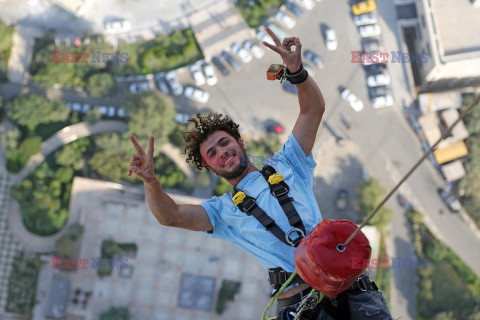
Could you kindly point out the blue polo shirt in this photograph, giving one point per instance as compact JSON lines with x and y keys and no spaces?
{"x":229,"y":223}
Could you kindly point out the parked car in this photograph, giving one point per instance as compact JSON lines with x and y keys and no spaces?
{"x":404,"y":202}
{"x":162,"y":85}
{"x":341,"y":202}
{"x":196,"y":94}
{"x":366,"y":18}
{"x":313,"y":58}
{"x":103,"y":110}
{"x":197,"y":75}
{"x":294,"y":9}
{"x":121,"y":113}
{"x":243,"y":54}
{"x":85,"y":107}
{"x":286,"y":20}
{"x":369,"y":30}
{"x":234,"y":63}
{"x":352,"y":99}
{"x":330,"y":39}
{"x":111,"y":111}
{"x":382,"y":101}
{"x":452,"y":203}
{"x":174,"y":83}
{"x":278,"y":31}
{"x":117,"y":26}
{"x":76,"y":106}
{"x":371,"y":45}
{"x":209,"y":74}
{"x":256,"y":51}
{"x":275,"y":127}
{"x":378,"y":91}
{"x":375,"y":80}
{"x":263,"y":36}
{"x":307,"y":4}
{"x":182,"y":118}
{"x":141,"y":87}
{"x":217,"y":63}
{"x":363,"y":7}
{"x":376,"y":68}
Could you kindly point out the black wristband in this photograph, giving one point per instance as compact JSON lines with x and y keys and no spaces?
{"x":297,"y":77}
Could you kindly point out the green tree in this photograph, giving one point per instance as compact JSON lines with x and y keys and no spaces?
{"x":72,"y":154}
{"x":101,"y":84}
{"x":76,"y":230}
{"x":22,"y":285}
{"x":31,"y":110}
{"x":11,"y":138}
{"x":371,"y":193}
{"x":29,"y":147}
{"x":65,"y":246}
{"x":93,"y":116}
{"x":109,"y":248}
{"x":64,"y":174}
{"x":222,"y":187}
{"x":109,"y":165}
{"x":116,"y":313}
{"x":151,"y":114}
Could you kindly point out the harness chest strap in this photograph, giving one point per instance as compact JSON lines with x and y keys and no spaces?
{"x":279,"y":189}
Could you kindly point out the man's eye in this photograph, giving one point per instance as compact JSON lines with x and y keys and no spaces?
{"x":225,"y":143}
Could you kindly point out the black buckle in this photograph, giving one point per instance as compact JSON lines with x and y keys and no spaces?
{"x":248,"y":203}
{"x":281,"y":190}
{"x":295,"y":242}
{"x":277,"y":277}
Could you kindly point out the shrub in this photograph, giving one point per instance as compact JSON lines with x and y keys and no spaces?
{"x":101,"y":84}
{"x":22,"y":285}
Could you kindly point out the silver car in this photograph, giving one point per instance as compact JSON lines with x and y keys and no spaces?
{"x":174,"y":83}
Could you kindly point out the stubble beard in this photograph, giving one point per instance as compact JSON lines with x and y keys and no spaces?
{"x":238,"y":171}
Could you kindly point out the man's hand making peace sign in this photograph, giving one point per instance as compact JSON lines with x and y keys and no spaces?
{"x":292,"y":59}
{"x":142,"y":164}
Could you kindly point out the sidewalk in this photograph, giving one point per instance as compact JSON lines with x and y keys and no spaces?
{"x":21,"y":54}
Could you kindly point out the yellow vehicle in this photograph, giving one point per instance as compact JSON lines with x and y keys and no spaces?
{"x":453,"y":152}
{"x":363,"y":7}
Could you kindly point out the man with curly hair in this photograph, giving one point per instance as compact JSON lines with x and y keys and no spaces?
{"x":215,"y":144}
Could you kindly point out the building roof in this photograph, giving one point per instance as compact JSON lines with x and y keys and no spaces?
{"x":453,"y":171}
{"x":451,"y":115}
{"x":457,"y":24}
{"x":57,"y":304}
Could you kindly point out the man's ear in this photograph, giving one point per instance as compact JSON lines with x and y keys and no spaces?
{"x":240,"y":142}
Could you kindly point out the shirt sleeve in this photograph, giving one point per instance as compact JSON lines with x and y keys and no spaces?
{"x":213,"y":208}
{"x":293,"y":153}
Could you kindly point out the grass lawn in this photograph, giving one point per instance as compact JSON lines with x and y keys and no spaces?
{"x":160,"y":54}
{"x":6,"y":35}
{"x":22,"y":285}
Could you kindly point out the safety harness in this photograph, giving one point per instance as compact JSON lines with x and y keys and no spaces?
{"x":337,"y":307}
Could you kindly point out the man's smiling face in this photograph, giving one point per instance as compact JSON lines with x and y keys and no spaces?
{"x":223,"y":155}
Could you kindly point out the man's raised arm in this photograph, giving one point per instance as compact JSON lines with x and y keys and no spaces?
{"x":167,"y":212}
{"x":312,"y":105}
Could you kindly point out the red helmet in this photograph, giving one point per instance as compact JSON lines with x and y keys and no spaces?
{"x":323,"y":265}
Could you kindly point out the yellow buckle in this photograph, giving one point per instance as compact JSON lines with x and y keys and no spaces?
{"x":238,"y":198}
{"x":275,"y":178}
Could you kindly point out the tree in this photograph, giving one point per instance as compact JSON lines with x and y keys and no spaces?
{"x":72,"y":154}
{"x":64,"y":175}
{"x":116,"y":313}
{"x":22,"y":285}
{"x":11,"y":138}
{"x":29,"y":147}
{"x":76,"y":230}
{"x":65,"y":246}
{"x":101,"y":84}
{"x":31,"y":110}
{"x":93,"y":116}
{"x":109,"y":165}
{"x":109,"y":248}
{"x":371,"y":193}
{"x":150,"y":114}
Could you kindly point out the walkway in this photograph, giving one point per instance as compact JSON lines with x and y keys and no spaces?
{"x":21,"y":54}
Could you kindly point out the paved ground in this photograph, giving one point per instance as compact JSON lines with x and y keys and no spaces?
{"x":9,"y":248}
{"x":110,"y":210}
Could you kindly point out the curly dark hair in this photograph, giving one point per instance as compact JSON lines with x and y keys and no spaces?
{"x":205,"y":126}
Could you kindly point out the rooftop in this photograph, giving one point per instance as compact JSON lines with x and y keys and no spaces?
{"x":458,"y":23}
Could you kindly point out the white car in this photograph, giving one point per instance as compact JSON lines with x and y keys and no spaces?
{"x":381,"y":79}
{"x":253,"y":48}
{"x":307,"y":4}
{"x":197,"y":75}
{"x":181,"y":118}
{"x":209,"y":74}
{"x":175,"y":85}
{"x":118,"y":26}
{"x":196,"y":94}
{"x":111,"y":111}
{"x":364,"y":19}
{"x":121,"y":113}
{"x":331,"y":39}
{"x":264,"y":36}
{"x":369,"y":30}
{"x":352,"y":99}
{"x":382,"y":101}
{"x":76,"y":106}
{"x":286,"y":20}
{"x":243,"y":54}
{"x":103,"y":110}
{"x":85,"y":108}
{"x":162,"y":85}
